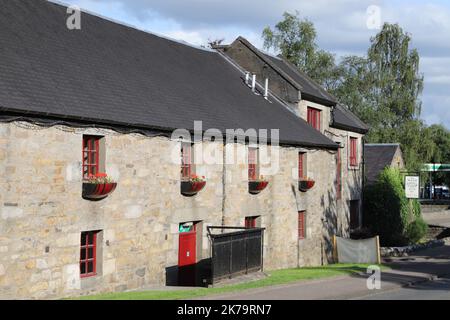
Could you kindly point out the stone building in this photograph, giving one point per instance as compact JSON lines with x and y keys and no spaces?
{"x":312,"y":103}
{"x":109,"y":101}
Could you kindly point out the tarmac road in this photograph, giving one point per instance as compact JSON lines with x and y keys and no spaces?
{"x":422,"y":276}
{"x":430,"y":290}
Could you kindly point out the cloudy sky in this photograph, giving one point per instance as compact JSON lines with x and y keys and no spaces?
{"x":343,"y":27}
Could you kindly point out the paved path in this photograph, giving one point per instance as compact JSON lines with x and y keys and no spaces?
{"x":419,"y":269}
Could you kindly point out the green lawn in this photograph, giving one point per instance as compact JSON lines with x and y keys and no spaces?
{"x":274,"y":278}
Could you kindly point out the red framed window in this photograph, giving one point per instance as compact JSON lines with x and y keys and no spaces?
{"x":314,"y":118}
{"x":301,"y":224}
{"x":353,"y":152}
{"x":338,"y":175}
{"x":252,"y":164}
{"x":250,"y":222}
{"x":91,"y":156}
{"x":88,"y":254}
{"x":301,"y":165}
{"x":186,"y":161}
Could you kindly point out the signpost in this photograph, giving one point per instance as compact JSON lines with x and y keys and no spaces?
{"x":412,"y":187}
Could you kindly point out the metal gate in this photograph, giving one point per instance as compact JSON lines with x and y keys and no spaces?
{"x":235,"y":252}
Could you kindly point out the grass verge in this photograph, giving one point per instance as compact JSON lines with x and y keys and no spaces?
{"x":275,"y":278}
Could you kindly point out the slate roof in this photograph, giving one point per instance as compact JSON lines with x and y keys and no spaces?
{"x":311,"y":90}
{"x":308,"y":87}
{"x":115,"y":74}
{"x":346,"y":120}
{"x":377,"y":157}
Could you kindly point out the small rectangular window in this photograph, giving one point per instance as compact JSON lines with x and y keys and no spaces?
{"x":91,"y":156}
{"x":353,"y":152}
{"x":313,"y":118}
{"x":187,"y":168}
{"x":301,"y":224}
{"x":88,"y":254}
{"x":253,"y":164}
{"x":301,"y":165}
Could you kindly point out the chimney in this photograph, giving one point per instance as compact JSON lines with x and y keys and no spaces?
{"x":266,"y":88}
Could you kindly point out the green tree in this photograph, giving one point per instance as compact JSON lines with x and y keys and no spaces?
{"x":295,"y":38}
{"x":384,"y":89}
{"x":396,"y":69}
{"x":440,"y":137}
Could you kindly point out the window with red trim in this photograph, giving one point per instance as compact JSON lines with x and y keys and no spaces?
{"x":314,"y":118}
{"x":353,"y":152}
{"x":186,"y":161}
{"x":91,"y":156}
{"x":338,"y":175}
{"x":250,"y":222}
{"x":301,"y":224}
{"x":301,"y":165}
{"x":88,"y":254}
{"x":252,"y":164}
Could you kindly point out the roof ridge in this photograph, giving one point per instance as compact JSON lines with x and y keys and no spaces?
{"x":349,"y":113}
{"x":308,"y":78}
{"x":262,"y":56}
{"x":128,"y":78}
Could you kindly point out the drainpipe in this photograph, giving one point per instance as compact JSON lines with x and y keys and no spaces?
{"x":363,"y":178}
{"x":224,"y":177}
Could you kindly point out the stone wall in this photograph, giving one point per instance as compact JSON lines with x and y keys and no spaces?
{"x":42,"y":212}
{"x":351,"y":176}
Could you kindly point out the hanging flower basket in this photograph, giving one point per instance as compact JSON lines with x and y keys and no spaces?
{"x":193,"y":186}
{"x":256,"y":186}
{"x":98,"y":187}
{"x":305,"y":184}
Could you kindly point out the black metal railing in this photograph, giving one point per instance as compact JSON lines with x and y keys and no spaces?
{"x":235,"y":252}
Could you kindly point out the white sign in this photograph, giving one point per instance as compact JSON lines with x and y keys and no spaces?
{"x":412,"y":187}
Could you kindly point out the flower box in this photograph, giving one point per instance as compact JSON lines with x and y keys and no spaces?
{"x":193,"y":186}
{"x":255,"y":187}
{"x":98,"y":187}
{"x":305,"y":184}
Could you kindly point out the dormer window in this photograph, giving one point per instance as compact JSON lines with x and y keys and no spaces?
{"x":314,"y":118}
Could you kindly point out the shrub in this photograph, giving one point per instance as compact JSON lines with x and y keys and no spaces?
{"x":416,"y":208}
{"x":388,"y":213}
{"x":417,"y":230}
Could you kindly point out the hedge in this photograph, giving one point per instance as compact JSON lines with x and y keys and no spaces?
{"x":389,"y":214}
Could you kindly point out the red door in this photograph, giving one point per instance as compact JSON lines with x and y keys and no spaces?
{"x":187,"y":249}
